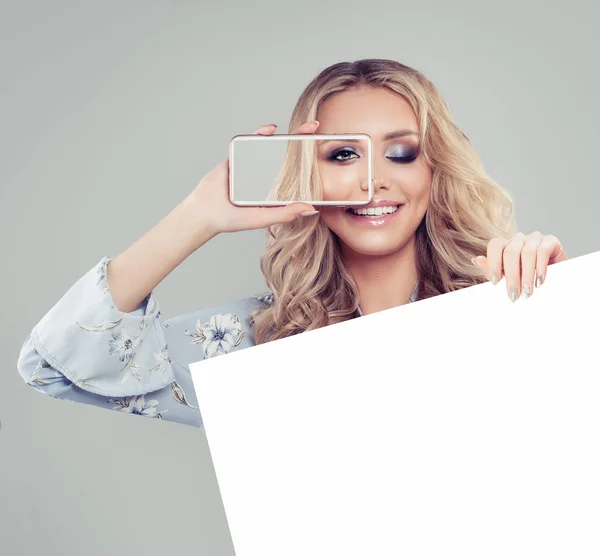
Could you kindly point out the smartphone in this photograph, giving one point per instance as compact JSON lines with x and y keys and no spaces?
{"x":319,"y":169}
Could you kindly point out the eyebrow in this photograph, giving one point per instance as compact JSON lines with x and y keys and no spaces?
{"x":387,"y":137}
{"x":398,"y":134}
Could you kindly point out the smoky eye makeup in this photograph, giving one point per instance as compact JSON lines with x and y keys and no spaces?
{"x":402,"y":153}
{"x":342,"y":154}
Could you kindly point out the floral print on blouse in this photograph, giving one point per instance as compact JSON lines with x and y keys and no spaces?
{"x":86,"y":350}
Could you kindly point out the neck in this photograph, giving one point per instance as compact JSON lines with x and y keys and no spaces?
{"x":384,"y":281}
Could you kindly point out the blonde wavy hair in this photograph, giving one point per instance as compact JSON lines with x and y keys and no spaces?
{"x":302,"y":261}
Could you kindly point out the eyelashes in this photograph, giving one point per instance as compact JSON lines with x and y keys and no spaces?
{"x":343,"y":155}
{"x":400,"y":154}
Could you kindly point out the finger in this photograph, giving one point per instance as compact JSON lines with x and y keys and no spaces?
{"x":482,"y":263}
{"x":511,"y":262}
{"x":268,"y":129}
{"x":262,"y":217}
{"x":549,"y":251}
{"x":494,"y":259}
{"x":528,"y":263}
{"x":307,"y":128}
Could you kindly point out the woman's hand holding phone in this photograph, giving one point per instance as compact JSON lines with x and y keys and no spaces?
{"x":205,"y":213}
{"x":211,"y":197}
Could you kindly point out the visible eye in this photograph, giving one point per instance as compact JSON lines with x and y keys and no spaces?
{"x":342,"y":155}
{"x":402,"y":154}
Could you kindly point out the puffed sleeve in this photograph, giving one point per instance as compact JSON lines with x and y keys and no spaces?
{"x":86,"y":350}
{"x":99,"y":348}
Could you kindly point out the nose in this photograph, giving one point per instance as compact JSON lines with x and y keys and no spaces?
{"x":379,"y":184}
{"x":380,"y":180}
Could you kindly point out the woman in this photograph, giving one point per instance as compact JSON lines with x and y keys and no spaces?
{"x":440,"y":224}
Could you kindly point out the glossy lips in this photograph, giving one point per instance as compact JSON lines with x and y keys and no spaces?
{"x":375,"y":214}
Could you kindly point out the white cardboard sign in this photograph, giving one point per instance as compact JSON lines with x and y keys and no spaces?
{"x":463,"y":424}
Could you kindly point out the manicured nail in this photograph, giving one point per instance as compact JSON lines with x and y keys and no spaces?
{"x":494,"y":277}
{"x":309,"y":213}
{"x":526,"y":291}
{"x":474,"y":262}
{"x":538,"y":280}
{"x":513,"y":294}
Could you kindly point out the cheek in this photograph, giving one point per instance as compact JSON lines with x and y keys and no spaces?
{"x":332,"y":217}
{"x":417,"y":185}
{"x":343,"y":183}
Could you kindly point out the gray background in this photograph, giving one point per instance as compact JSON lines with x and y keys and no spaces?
{"x":111,"y":112}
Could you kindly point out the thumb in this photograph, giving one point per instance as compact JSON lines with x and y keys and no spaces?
{"x":482,"y":263}
{"x":300,"y":209}
{"x":294,"y":210}
{"x":282,"y":215}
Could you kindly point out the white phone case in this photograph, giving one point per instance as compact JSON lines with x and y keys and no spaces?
{"x":299,"y":137}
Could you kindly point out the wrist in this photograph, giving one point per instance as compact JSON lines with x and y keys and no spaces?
{"x":197,"y":221}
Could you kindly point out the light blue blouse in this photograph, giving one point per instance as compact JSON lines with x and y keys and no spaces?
{"x":86,"y":350}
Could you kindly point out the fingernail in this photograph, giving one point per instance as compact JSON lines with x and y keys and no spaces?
{"x":526,"y":291}
{"x":309,"y":213}
{"x":538,"y":280}
{"x":513,"y":294}
{"x":474,"y":262}
{"x":494,"y":277}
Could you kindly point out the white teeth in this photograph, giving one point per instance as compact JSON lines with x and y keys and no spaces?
{"x":374,"y":211}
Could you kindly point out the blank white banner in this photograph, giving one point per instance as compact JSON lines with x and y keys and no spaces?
{"x":463,"y":424}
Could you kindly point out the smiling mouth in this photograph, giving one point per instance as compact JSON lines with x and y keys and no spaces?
{"x":374,"y":212}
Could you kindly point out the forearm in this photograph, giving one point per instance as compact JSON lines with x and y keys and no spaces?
{"x":134,"y":274}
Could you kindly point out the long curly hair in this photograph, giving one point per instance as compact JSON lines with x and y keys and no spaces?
{"x":302,"y":262}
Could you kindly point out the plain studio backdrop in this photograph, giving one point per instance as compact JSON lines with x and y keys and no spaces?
{"x":111,"y":112}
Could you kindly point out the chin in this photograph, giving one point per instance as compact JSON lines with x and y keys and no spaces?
{"x":377,"y":237}
{"x":375,"y":247}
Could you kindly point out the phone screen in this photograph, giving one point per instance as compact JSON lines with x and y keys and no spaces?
{"x":333,"y":169}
